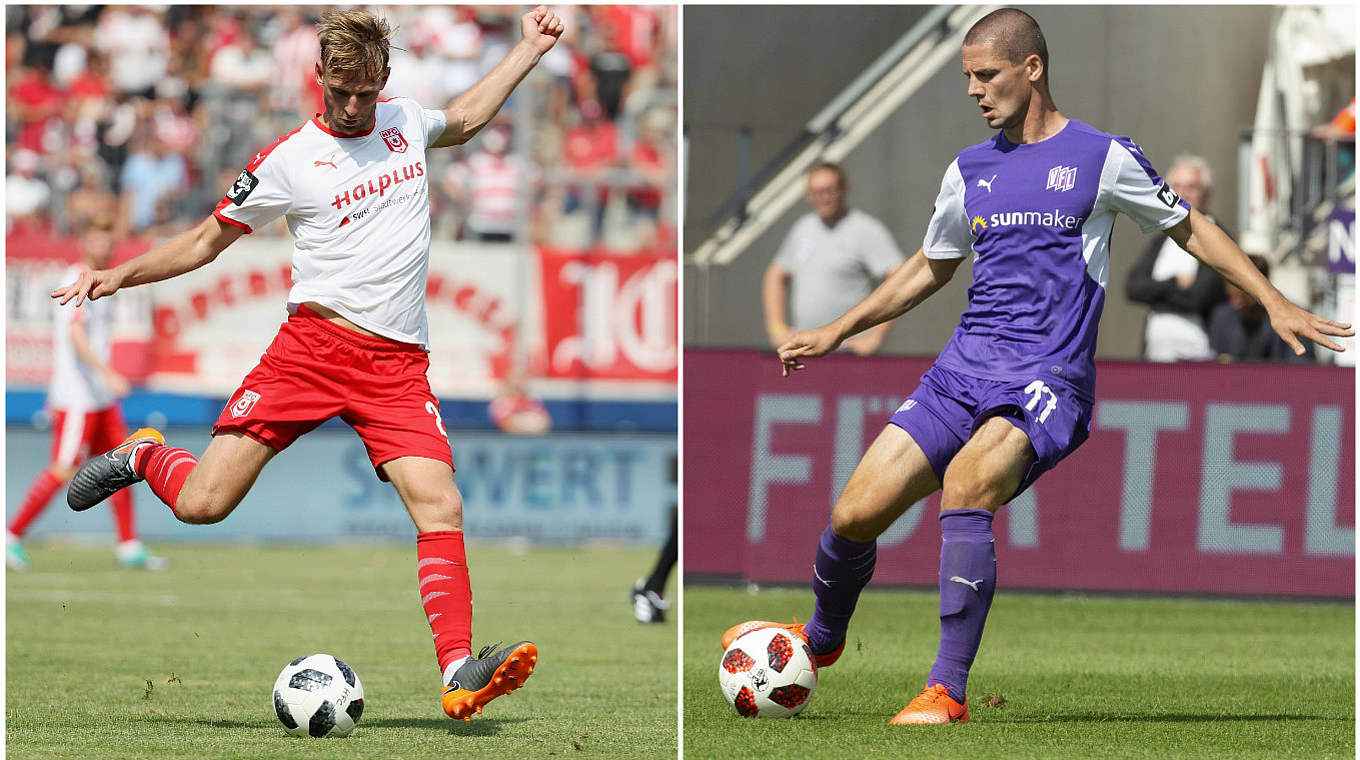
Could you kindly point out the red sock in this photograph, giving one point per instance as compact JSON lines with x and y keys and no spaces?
{"x":122,"y":515}
{"x":165,"y":470}
{"x":35,"y":501}
{"x":446,"y":592}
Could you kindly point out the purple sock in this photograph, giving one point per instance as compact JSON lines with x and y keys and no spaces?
{"x":967,"y":580}
{"x":841,"y":570}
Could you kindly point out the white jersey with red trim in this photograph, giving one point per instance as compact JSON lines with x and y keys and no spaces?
{"x":359,"y":210}
{"x":75,"y":385}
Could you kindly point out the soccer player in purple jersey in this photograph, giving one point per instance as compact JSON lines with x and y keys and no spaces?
{"x":1011,"y":393}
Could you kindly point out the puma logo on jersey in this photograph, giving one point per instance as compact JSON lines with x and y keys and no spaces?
{"x":987,"y":183}
{"x":331,"y":164}
{"x":970,"y":584}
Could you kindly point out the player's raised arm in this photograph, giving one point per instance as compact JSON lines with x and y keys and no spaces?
{"x":182,"y":253}
{"x":1206,"y":242}
{"x":906,"y":287}
{"x":472,"y":110}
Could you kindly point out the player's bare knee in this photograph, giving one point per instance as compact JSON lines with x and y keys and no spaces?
{"x":198,"y":508}
{"x":854,"y":524}
{"x":970,"y":491}
{"x":438,"y":511}
{"x":62,"y":473}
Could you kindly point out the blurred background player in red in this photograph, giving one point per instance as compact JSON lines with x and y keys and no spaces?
{"x":516,"y":412}
{"x":82,"y":399}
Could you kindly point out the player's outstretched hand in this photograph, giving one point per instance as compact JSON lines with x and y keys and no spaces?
{"x":92,"y":284}
{"x":1292,"y":323}
{"x":541,"y":28}
{"x":819,"y":341}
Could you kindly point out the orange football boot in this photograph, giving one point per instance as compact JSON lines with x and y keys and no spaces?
{"x":932,"y":705}
{"x":741,"y":629}
{"x":487,"y":676}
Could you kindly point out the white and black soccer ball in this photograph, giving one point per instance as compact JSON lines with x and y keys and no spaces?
{"x":318,"y":695}
{"x":768,"y":673}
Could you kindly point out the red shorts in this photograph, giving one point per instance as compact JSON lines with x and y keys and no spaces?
{"x":77,"y":436}
{"x":315,"y":370}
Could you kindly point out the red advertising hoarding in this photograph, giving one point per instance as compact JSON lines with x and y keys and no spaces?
{"x":1197,"y":478}
{"x":610,"y":316}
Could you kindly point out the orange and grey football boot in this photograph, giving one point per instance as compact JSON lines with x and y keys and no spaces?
{"x":741,"y":629}
{"x":483,"y":678}
{"x":932,"y":705}
{"x":110,"y":472}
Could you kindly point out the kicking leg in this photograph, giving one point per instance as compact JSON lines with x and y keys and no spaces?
{"x":985,"y":474}
{"x":207,"y":489}
{"x":891,"y":476}
{"x":427,"y":488}
{"x":197,"y":490}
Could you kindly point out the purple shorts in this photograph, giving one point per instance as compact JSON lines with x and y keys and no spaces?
{"x":942,"y":413}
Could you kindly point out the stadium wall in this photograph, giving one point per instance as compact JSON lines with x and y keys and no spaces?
{"x":593,"y":334}
{"x":1176,"y":79}
{"x":1203,"y":478}
{"x":563,"y":488}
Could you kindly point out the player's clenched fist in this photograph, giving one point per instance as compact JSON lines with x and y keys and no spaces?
{"x":541,"y":28}
{"x":92,"y":284}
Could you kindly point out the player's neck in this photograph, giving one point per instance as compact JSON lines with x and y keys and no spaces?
{"x":1042,"y":122}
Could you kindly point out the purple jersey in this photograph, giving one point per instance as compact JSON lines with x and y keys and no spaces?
{"x":1039,"y":217}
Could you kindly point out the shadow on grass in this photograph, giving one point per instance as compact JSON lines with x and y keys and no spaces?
{"x":992,"y":717}
{"x":479,"y":727}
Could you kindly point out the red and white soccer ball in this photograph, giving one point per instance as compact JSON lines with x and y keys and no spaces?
{"x":768,"y":673}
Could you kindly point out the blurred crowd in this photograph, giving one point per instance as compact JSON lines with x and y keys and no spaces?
{"x":147,"y":114}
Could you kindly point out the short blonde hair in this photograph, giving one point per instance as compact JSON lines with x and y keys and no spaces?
{"x":354,"y":43}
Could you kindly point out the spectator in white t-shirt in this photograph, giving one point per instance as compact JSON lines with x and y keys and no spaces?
{"x":831,"y":259}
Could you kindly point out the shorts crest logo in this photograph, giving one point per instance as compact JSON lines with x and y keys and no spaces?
{"x":244,"y":404}
{"x":395,"y":142}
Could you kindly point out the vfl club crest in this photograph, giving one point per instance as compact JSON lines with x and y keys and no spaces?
{"x":1062,"y":178}
{"x":244,"y":404}
{"x":395,"y":142}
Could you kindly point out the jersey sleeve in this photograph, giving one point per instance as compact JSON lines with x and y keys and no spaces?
{"x":434,"y":122}
{"x":1131,"y":186}
{"x":260,"y":194}
{"x":881,"y":254}
{"x":949,"y":236}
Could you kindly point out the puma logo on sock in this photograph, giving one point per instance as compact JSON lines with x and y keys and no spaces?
{"x":970,"y":584}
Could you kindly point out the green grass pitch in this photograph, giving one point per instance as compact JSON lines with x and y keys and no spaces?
{"x":1080,"y":676}
{"x":110,"y":663}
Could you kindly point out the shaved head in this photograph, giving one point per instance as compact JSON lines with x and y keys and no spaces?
{"x":1012,"y":33}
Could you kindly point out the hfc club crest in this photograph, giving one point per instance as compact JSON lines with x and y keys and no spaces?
{"x":243,"y":405}
{"x":395,"y":142}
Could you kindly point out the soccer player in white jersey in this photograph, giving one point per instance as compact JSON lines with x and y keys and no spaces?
{"x":353,"y":185}
{"x":1011,"y":393}
{"x":82,"y":399}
